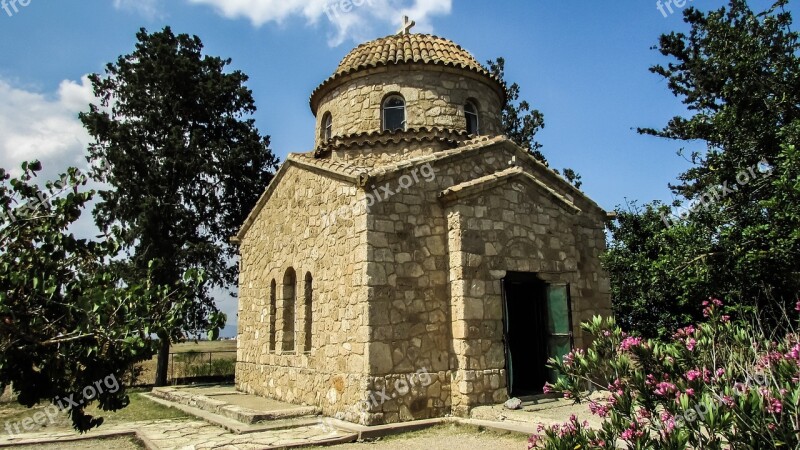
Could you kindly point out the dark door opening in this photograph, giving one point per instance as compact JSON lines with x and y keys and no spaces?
{"x":537,"y":327}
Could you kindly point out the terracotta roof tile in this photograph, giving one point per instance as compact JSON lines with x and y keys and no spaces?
{"x":400,"y":48}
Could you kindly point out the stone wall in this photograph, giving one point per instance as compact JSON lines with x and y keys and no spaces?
{"x":512,"y":228}
{"x":292,"y":231}
{"x":408,"y":300}
{"x":434,"y":279}
{"x":435,"y":98}
{"x":407,"y":304}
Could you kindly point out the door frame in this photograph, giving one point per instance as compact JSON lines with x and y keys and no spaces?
{"x":529,"y":277}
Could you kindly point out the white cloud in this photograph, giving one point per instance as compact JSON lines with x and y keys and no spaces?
{"x":147,"y":8}
{"x":33,"y":126}
{"x":351,"y":19}
{"x":46,"y":127}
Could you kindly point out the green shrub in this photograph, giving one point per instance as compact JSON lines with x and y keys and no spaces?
{"x":720,"y":384}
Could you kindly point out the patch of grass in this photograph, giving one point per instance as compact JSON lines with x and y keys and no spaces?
{"x":140,"y":409}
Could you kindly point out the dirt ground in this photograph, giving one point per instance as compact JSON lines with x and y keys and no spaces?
{"x":91,"y":444}
{"x":448,"y":437}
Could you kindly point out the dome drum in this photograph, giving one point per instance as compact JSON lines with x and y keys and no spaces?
{"x":434,"y":77}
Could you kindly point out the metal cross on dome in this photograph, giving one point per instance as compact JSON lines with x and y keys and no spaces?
{"x":407,"y":26}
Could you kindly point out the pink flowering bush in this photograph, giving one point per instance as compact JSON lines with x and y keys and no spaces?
{"x":720,"y":384}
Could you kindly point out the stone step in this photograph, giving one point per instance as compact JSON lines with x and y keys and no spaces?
{"x":277,"y":425}
{"x":227,"y":408}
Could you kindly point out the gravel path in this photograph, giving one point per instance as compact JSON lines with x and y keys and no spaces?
{"x":447,"y":437}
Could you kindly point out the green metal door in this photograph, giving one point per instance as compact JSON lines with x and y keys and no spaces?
{"x":559,"y":324}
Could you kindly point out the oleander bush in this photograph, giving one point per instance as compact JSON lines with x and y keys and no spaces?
{"x":720,"y":384}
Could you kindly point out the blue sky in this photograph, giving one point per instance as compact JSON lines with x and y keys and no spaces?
{"x":583,"y":64}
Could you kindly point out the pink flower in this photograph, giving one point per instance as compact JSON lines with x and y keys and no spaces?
{"x":797,"y":306}
{"x":598,"y":409}
{"x":690,"y":344}
{"x":668,"y":421}
{"x":664,"y":388}
{"x":726,"y":319}
{"x":775,"y":406}
{"x":692,"y":375}
{"x":685,"y":331}
{"x":616,"y":387}
{"x":633,"y":432}
{"x":630,"y":342}
{"x":794,"y":353}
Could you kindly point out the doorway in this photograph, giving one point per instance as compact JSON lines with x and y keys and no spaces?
{"x":537,"y":326}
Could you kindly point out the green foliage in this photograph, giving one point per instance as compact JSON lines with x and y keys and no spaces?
{"x":521,"y":123}
{"x":67,"y":319}
{"x":721,"y":384}
{"x":653,"y":286}
{"x":183,"y":164}
{"x":737,"y":72}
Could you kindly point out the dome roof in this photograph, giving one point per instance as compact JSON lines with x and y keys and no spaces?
{"x":403,"y":49}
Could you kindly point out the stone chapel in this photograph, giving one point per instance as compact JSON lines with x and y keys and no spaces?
{"x":415,"y":242}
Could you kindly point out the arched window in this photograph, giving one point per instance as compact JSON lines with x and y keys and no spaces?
{"x":309,"y":292}
{"x":394,"y":113}
{"x":327,"y":127}
{"x":272,"y":312}
{"x":473,"y":122}
{"x":289,"y":302}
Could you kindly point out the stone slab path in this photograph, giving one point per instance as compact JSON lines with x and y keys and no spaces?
{"x":194,"y":435}
{"x":290,"y":426}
